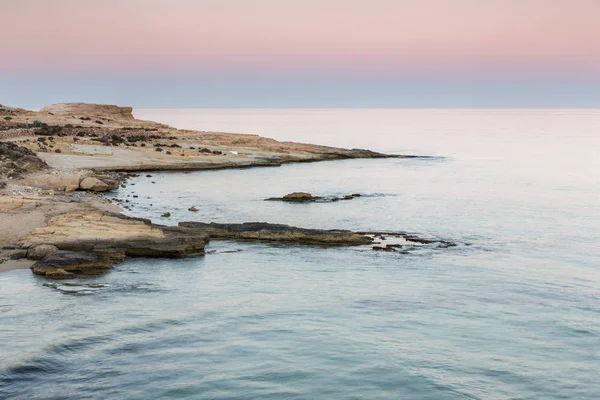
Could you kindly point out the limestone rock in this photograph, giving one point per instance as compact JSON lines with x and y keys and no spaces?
{"x":298,"y":197}
{"x":96,"y":185}
{"x":69,"y":182}
{"x":90,"y":110}
{"x":90,"y":241}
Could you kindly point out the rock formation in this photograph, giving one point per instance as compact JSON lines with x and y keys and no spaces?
{"x":89,"y":240}
{"x":261,"y":231}
{"x":302,"y":197}
{"x":90,"y":110}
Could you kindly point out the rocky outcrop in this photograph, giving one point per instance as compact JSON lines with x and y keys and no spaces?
{"x":262,"y":231}
{"x":298,"y":197}
{"x":90,"y":110}
{"x":301,"y":197}
{"x":285,"y":234}
{"x":89,"y":241}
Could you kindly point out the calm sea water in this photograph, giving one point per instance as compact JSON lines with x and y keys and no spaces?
{"x":516,"y":315}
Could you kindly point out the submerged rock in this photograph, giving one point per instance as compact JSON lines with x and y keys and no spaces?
{"x":386,"y":248}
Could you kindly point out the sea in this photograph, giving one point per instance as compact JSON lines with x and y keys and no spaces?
{"x":513,"y":312}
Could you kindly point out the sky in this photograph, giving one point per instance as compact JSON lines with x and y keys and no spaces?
{"x":301,"y":53}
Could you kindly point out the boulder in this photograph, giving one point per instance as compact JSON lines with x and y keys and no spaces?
{"x":41,"y":251}
{"x":96,"y":185}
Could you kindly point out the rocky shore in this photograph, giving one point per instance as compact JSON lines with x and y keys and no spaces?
{"x":54,"y":163}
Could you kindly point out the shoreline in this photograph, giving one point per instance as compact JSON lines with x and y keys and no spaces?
{"x":55,"y":164}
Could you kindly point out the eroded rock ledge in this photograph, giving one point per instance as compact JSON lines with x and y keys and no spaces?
{"x":279,"y":233}
{"x":91,"y":241}
{"x":86,"y":242}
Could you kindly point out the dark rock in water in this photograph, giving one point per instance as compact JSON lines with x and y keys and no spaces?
{"x":166,"y":215}
{"x":417,"y":239}
{"x":66,"y":264}
{"x":302,"y":197}
{"x":298,"y":197}
{"x":177,"y":242}
{"x":262,"y":231}
{"x":386,"y":248}
{"x":193,"y":209}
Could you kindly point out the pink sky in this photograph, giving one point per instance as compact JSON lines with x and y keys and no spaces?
{"x":283,"y":35}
